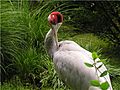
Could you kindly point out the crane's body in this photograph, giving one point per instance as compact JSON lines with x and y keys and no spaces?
{"x":69,"y":59}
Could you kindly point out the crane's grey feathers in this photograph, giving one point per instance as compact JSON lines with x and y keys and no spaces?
{"x":69,"y":63}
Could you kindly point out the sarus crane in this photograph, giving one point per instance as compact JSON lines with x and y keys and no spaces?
{"x":69,"y":59}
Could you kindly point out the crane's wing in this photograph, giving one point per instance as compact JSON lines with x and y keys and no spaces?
{"x":72,"y":46}
{"x":70,"y":67}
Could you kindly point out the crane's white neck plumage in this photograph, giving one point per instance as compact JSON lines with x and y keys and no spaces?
{"x":57,"y":26}
{"x":51,"y":40}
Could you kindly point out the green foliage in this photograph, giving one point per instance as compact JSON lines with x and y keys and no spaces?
{"x":101,"y":18}
{"x":104,"y":85}
{"x":95,"y":83}
{"x":12,"y":33}
{"x":88,"y":64}
{"x":88,"y":41}
{"x":23,"y":29}
{"x":103,"y":74}
{"x":94,"y":55}
{"x":115,"y":83}
{"x":29,"y":62}
{"x":15,"y":84}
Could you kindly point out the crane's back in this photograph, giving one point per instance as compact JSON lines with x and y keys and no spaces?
{"x":69,"y":63}
{"x":71,"y":69}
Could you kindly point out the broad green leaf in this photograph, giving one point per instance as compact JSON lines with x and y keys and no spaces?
{"x":103,"y":74}
{"x":94,"y":55}
{"x":88,"y":64}
{"x":104,"y":86}
{"x":95,"y":83}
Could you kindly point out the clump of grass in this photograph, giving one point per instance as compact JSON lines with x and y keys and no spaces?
{"x":23,"y":29}
{"x":11,"y":36}
{"x":28,"y":62}
{"x":14,"y":84}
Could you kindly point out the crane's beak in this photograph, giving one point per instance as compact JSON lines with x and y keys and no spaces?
{"x":55,"y":30}
{"x":56,"y":38}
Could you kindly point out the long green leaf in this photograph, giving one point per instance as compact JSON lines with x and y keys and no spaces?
{"x":95,"y":83}
{"x":88,"y":64}
{"x":103,"y":74}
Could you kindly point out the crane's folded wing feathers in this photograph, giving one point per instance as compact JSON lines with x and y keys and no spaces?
{"x":69,"y":64}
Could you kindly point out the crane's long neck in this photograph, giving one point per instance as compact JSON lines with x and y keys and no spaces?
{"x":51,"y":42}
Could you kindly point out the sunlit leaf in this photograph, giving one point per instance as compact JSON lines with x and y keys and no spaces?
{"x":94,"y":55}
{"x":104,"y":86}
{"x":95,"y":83}
{"x":88,"y":64}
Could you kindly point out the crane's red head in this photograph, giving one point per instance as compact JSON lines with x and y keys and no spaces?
{"x":55,"y":18}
